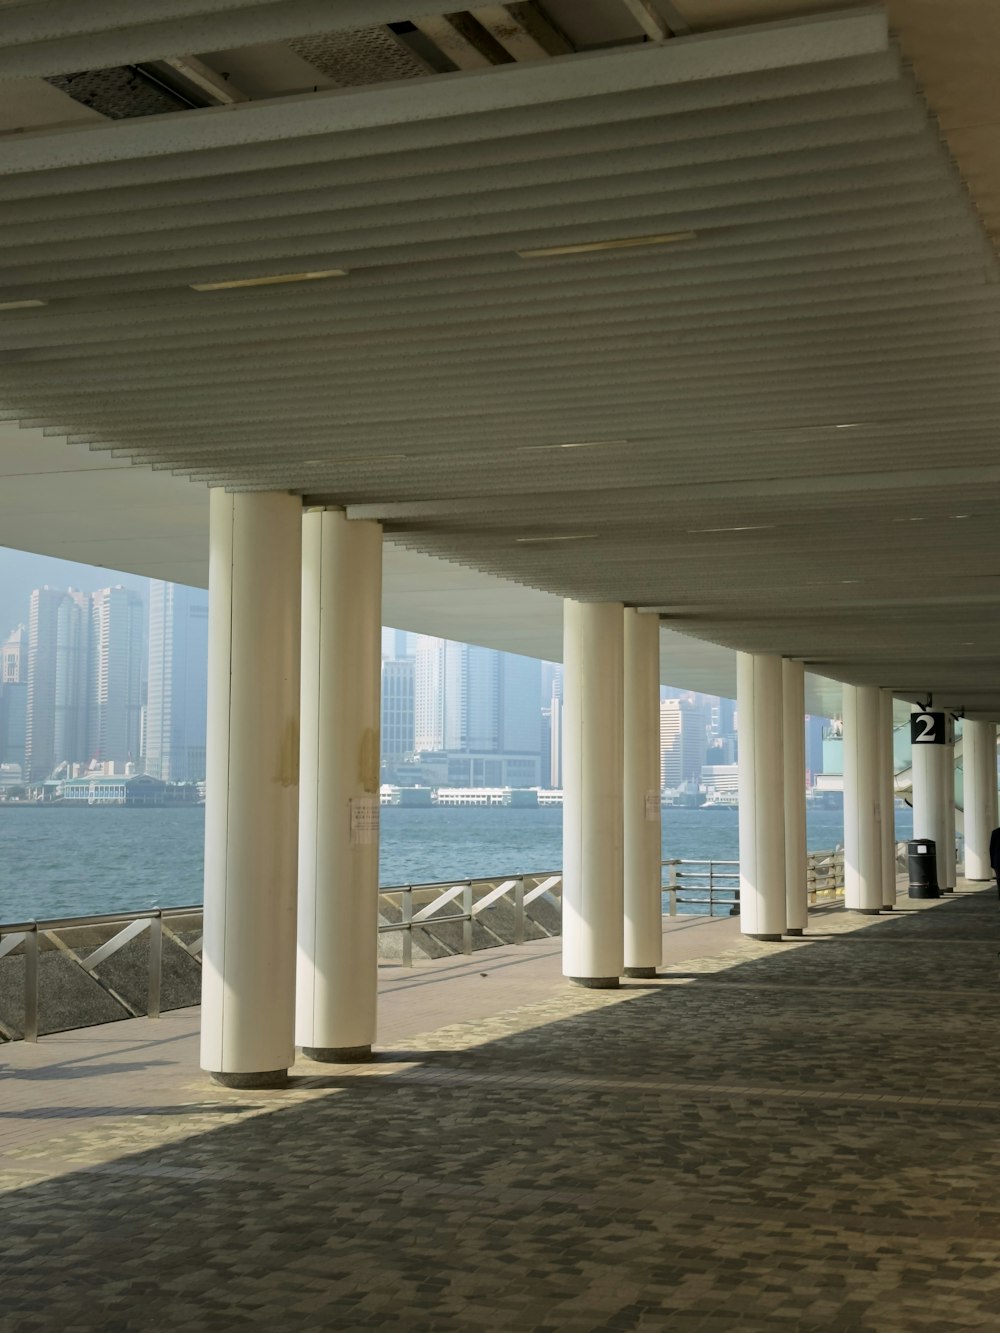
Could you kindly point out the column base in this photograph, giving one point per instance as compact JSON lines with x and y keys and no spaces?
{"x":337,"y":1055}
{"x":923,"y":892}
{"x":887,"y":907}
{"x":266,"y":1078}
{"x":944,"y":890}
{"x":595,"y":983}
{"x":867,"y":911}
{"x":795,"y":931}
{"x":765,"y":939}
{"x":639,"y":972}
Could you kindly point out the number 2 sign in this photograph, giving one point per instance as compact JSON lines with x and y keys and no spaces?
{"x":929,"y":728}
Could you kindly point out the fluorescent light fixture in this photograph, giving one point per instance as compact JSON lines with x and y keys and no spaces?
{"x":574,"y":537}
{"x":747,"y":527}
{"x":619,"y":243}
{"x":271,"y":281}
{"x":341,"y":462}
{"x":573,"y":444}
{"x":21,"y":305}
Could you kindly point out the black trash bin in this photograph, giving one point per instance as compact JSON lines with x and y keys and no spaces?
{"x":922,"y":857}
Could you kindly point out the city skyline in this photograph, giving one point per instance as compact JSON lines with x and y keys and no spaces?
{"x":119,"y":677}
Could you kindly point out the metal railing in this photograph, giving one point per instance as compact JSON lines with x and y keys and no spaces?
{"x":28,"y":937}
{"x":704,"y":878}
{"x":425,"y":904}
{"x":501,"y":908}
{"x":716,"y":884}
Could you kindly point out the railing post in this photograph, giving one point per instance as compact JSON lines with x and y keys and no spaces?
{"x":31,"y":984}
{"x":155,"y":964}
{"x":407,"y":911}
{"x":467,"y":923}
{"x":519,"y":910}
{"x":711,"y":888}
{"x":672,"y":886}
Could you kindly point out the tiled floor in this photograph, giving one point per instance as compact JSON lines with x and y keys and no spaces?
{"x":797,"y":1136}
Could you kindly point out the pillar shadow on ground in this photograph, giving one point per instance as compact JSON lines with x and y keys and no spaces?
{"x":803,"y":1140}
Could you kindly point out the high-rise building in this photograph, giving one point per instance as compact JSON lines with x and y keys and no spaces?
{"x":84,"y":679}
{"x":74,"y":702}
{"x":815,"y":727}
{"x":117,"y":641}
{"x":13,"y":721}
{"x":14,"y":657}
{"x":398,"y":686}
{"x":437,"y":695}
{"x":683,"y":741}
{"x":177,"y":690}
{"x":40,"y":725}
{"x":726,"y":718}
{"x":474,"y":700}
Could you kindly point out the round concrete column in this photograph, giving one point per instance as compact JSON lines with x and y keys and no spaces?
{"x":950,"y":860}
{"x":643,"y":831}
{"x":593,"y":798}
{"x":251,"y":808}
{"x":979,"y":765}
{"x":339,"y":805}
{"x":862,"y":795}
{"x":929,"y":818}
{"x":793,"y":678}
{"x":760,"y":706}
{"x":887,"y":799}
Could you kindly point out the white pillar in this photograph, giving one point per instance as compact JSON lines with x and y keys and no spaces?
{"x":950,"y":860}
{"x":593,"y":798}
{"x":793,"y":675}
{"x":887,"y":798}
{"x":759,"y":704}
{"x":643,"y":832}
{"x":862,"y":799}
{"x":929,"y":819}
{"x":979,"y":765}
{"x":251,"y":808}
{"x":339,"y":806}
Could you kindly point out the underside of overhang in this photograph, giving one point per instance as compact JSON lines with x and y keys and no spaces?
{"x":770,"y":417}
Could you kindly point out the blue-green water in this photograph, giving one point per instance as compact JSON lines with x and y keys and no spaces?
{"x":66,"y":862}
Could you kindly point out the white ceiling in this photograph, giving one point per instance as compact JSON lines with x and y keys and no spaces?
{"x":789,"y":417}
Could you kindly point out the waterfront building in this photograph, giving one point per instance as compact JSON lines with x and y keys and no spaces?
{"x":124,"y":789}
{"x":177,"y":690}
{"x":721,"y":783}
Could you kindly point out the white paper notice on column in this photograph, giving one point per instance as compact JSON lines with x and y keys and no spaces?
{"x":364,"y":819}
{"x":652,"y":805}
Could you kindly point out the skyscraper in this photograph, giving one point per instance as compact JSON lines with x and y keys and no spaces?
{"x":14,"y":657}
{"x":470,"y":700}
{"x":398,"y":678}
{"x":437,"y":701}
{"x":683,"y":741}
{"x":116,"y":675}
{"x":177,"y":692}
{"x":40,"y":725}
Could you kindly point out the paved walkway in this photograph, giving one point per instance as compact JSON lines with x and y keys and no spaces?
{"x":801,"y":1136}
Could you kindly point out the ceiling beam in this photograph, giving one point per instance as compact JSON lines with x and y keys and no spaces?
{"x":522,"y":30}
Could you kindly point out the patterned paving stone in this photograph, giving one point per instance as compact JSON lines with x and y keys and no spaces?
{"x":800,"y":1137}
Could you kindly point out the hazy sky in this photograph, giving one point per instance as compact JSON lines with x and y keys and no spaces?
{"x":21,"y":572}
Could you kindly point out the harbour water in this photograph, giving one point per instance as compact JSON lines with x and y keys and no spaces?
{"x":57,"y":861}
